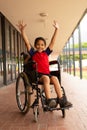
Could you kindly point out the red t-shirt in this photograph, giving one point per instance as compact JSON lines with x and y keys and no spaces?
{"x":41,"y":58}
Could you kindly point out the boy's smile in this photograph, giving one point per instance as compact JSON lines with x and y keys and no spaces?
{"x":40,"y":46}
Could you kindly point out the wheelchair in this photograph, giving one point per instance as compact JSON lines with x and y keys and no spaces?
{"x":27,"y":84}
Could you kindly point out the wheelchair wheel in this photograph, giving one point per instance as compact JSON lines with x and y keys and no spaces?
{"x":23,"y":96}
{"x":63,"y":113}
{"x":63,"y":110}
{"x":63,"y":90}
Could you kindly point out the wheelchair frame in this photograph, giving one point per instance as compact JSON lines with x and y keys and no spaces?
{"x":25,"y":88}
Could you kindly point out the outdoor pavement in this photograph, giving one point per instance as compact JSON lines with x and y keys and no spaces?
{"x":75,"y":119}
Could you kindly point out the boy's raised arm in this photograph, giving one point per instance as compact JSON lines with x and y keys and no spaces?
{"x":21,"y":27}
{"x":56,"y":26}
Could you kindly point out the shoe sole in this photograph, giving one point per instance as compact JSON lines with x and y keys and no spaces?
{"x":52,"y":104}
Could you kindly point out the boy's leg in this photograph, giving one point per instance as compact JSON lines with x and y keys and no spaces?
{"x":46,"y":83}
{"x":62,"y":99}
{"x":57,"y":86}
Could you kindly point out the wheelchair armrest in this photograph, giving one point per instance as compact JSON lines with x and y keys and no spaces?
{"x":55,"y":69}
{"x":53,"y":63}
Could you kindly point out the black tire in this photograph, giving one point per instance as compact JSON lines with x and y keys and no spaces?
{"x":63,"y":90}
{"x":63,"y":110}
{"x":23,"y":97}
{"x":63,"y":113}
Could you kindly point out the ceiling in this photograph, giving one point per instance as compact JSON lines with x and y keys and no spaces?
{"x":66,"y":12}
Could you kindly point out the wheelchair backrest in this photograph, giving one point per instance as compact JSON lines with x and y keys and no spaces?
{"x":28,"y":67}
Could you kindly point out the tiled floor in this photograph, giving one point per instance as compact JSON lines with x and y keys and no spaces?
{"x":75,"y":119}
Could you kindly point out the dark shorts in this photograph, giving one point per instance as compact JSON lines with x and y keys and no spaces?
{"x":41,"y":74}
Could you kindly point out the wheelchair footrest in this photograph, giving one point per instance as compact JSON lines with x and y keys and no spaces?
{"x":67,"y":107}
{"x":47,"y":108}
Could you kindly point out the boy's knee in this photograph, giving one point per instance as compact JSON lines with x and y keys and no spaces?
{"x":46,"y":78}
{"x":54,"y":78}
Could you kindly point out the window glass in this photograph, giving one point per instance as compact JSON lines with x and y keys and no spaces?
{"x":71,"y":56}
{"x":76,"y":48}
{"x":1,"y":57}
{"x":8,"y":51}
{"x":83,"y":31}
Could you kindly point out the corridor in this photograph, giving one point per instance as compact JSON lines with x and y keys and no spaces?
{"x":75,"y":119}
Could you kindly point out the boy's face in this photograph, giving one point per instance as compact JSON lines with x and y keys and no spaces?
{"x":40,"y":46}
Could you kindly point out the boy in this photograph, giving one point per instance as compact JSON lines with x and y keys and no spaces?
{"x":40,"y":56}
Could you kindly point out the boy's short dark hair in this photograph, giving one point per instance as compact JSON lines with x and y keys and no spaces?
{"x":39,"y":38}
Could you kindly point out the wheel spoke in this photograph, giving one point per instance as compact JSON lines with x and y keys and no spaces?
{"x":22,"y":94}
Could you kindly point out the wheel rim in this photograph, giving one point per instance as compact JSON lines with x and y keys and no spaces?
{"x":22,"y":94}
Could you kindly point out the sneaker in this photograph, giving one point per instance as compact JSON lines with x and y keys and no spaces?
{"x":64,"y":103}
{"x":52,"y":103}
{"x":68,"y":104}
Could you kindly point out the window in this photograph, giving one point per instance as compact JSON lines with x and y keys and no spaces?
{"x":1,"y":57}
{"x":75,"y":50}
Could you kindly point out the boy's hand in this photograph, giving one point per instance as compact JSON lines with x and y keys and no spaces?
{"x":56,"y":25}
{"x":21,"y":25}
